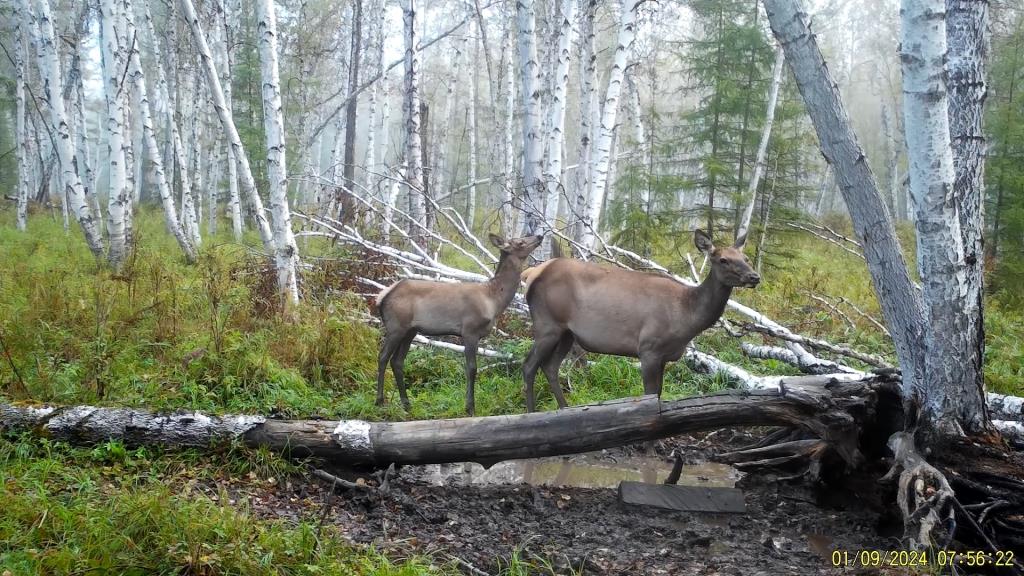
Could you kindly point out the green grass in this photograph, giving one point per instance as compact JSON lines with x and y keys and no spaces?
{"x":166,"y":335}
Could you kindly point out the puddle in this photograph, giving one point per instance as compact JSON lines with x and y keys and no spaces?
{"x":582,"y":471}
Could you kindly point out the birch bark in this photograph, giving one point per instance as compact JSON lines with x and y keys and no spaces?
{"x":118,"y":202}
{"x":286,"y":253}
{"x":51,"y":94}
{"x":609,"y":115}
{"x":20,"y":134}
{"x":556,"y":121}
{"x":533,"y":145}
{"x":762,"y":148}
{"x":587,"y":106}
{"x":413,"y":153}
{"x":471,"y":120}
{"x":508,"y":210}
{"x":968,"y":47}
{"x":234,"y":202}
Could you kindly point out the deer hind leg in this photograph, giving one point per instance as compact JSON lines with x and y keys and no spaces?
{"x":470,"y":344}
{"x":387,"y":350}
{"x":544,"y":343}
{"x":652,"y":369}
{"x":554,"y":362}
{"x":398,"y":366}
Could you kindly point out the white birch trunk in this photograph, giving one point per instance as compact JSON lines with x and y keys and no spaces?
{"x":248,"y":184}
{"x":20,"y":134}
{"x":439,"y":175}
{"x":413,"y":153}
{"x":508,"y":210}
{"x":118,"y":201}
{"x":382,"y":137}
{"x":286,"y":253}
{"x":51,"y":94}
{"x":587,"y":106}
{"x":234,"y":202}
{"x":762,"y":148}
{"x":556,"y":121}
{"x":138,"y":80}
{"x":967,"y":36}
{"x":609,"y":115}
{"x":533,"y":144}
{"x":471,"y":120}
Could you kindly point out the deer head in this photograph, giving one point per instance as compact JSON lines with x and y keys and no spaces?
{"x":517,"y":248}
{"x":729,"y":265}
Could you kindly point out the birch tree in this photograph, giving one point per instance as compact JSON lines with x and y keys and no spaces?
{"x":556,"y":120}
{"x":609,"y":115}
{"x":355,"y":61}
{"x":138,"y":79}
{"x":413,"y":153}
{"x":286,"y":253}
{"x":118,"y":203}
{"x":966,"y":67}
{"x":227,"y":60}
{"x":762,"y":148}
{"x":588,"y":107}
{"x":20,"y":134}
{"x":533,"y":145}
{"x":507,"y":204}
{"x":51,"y":95}
{"x":471,"y":118}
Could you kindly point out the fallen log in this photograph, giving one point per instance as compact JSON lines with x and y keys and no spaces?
{"x":824,"y":407}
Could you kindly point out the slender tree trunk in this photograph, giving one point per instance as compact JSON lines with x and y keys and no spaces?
{"x":138,"y":79}
{"x":351,"y":109}
{"x":413,"y":154}
{"x":286,"y":253}
{"x":377,"y":38}
{"x":762,"y":149}
{"x":533,"y":145}
{"x":742,"y":163}
{"x":119,"y":203}
{"x":51,"y":95}
{"x":587,"y":106}
{"x":20,"y":133}
{"x":471,"y":121}
{"x":556,"y":135}
{"x":440,"y":173}
{"x":228,"y":124}
{"x":891,"y":159}
{"x":508,"y":209}
{"x":609,"y":115}
{"x":234,"y":202}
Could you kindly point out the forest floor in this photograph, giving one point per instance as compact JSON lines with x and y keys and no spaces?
{"x":788,"y":528}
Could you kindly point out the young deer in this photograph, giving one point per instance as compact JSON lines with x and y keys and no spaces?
{"x":410,"y":307}
{"x":625,"y":313}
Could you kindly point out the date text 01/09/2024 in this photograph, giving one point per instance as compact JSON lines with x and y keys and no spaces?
{"x":909,"y":558}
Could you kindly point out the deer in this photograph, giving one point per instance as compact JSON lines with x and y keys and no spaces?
{"x":467,"y":309}
{"x":623,"y":312}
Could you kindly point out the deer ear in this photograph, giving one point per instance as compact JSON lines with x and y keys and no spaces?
{"x":703,"y":241}
{"x":498,"y":241}
{"x":740,"y":241}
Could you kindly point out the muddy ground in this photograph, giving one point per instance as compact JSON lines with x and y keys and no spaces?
{"x":787,"y":528}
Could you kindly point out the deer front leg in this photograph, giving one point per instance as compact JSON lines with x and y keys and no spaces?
{"x":470,"y":344}
{"x":387,"y":350}
{"x":652,"y":369}
{"x":543,"y":346}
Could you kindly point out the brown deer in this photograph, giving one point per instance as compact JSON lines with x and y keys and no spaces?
{"x":626,"y":313}
{"x":467,"y":309}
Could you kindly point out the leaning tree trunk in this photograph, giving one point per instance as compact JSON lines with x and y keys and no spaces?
{"x":967,"y":37}
{"x":230,"y":131}
{"x":762,"y":149}
{"x":533,"y":145}
{"x":286,"y":253}
{"x":951,"y":398}
{"x":52,"y":96}
{"x":900,"y":303}
{"x":138,"y":80}
{"x":20,"y":134}
{"x":609,"y":115}
{"x":413,"y":154}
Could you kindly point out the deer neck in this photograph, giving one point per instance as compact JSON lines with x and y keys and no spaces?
{"x":503,"y":286}
{"x":710,"y":298}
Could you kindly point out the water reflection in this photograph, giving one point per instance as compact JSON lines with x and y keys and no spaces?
{"x":584,"y":471}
